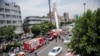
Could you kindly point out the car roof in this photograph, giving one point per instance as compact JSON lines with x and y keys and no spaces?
{"x":56,"y":47}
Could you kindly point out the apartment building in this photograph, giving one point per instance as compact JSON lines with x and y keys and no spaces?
{"x":10,"y":14}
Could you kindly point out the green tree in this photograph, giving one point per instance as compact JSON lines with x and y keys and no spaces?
{"x":7,"y":32}
{"x":44,"y":28}
{"x":86,"y":34}
{"x":50,"y":25}
{"x":36,"y":29}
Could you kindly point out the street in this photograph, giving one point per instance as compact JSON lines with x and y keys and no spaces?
{"x":45,"y":49}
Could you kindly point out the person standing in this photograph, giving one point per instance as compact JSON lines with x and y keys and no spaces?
{"x":35,"y":52}
{"x":56,"y":40}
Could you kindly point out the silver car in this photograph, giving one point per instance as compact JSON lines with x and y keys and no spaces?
{"x":55,"y":51}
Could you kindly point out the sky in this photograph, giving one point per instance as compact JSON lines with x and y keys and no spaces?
{"x":41,"y":8}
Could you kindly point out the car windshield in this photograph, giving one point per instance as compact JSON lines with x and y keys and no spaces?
{"x":53,"y":50}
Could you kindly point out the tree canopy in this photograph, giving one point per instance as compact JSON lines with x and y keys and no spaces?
{"x":7,"y":32}
{"x":42,"y":28}
{"x":86,"y":34}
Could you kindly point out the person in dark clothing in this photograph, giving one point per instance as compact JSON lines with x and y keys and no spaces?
{"x":56,"y":40}
{"x":35,"y":52}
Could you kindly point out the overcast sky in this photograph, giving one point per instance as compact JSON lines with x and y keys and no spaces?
{"x":40,"y":7}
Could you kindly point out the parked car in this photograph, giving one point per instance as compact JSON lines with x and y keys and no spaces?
{"x":66,"y":40}
{"x":55,"y":51}
{"x":21,"y":54}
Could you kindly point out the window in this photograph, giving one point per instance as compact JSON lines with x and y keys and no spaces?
{"x":15,"y":6}
{"x":8,"y":21}
{"x":2,"y":21}
{"x":7,"y":10}
{"x":20,"y":17}
{"x":14,"y":21}
{"x":14,"y":16}
{"x":8,"y":16}
{"x":19,"y":11}
{"x":54,"y":50}
{"x":17,"y":16}
{"x":1,"y":9}
{"x":6,"y":4}
{"x":58,"y":49}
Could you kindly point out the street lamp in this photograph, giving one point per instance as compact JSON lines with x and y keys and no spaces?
{"x":49,"y":2}
{"x":84,"y":6}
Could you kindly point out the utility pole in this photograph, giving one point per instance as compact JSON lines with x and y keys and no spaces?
{"x":84,"y":6}
{"x":49,"y":2}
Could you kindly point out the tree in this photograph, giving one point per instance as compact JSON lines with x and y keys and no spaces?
{"x":50,"y":25}
{"x":7,"y":32}
{"x":36,"y":29}
{"x":44,"y":28}
{"x":86,"y":34}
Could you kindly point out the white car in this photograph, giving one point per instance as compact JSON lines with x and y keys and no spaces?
{"x":55,"y":51}
{"x":67,"y":39}
{"x":12,"y":54}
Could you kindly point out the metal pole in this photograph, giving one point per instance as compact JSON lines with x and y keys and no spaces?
{"x":49,"y":2}
{"x":84,"y":6}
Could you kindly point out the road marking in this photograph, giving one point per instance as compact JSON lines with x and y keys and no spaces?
{"x":45,"y":48}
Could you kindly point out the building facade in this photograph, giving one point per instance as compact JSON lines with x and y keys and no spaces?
{"x":10,"y":14}
{"x":33,"y":20}
{"x":66,"y":17}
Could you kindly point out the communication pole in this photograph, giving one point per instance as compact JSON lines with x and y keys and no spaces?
{"x":49,"y":2}
{"x":84,"y":6}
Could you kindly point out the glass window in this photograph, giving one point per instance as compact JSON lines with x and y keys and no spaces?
{"x":8,"y":21}
{"x":14,"y":16}
{"x":19,"y":11}
{"x":58,"y":49}
{"x":8,"y":16}
{"x":15,"y":6}
{"x":6,"y":4}
{"x":1,"y":9}
{"x":7,"y":10}
{"x":20,"y":17}
{"x":2,"y":21}
{"x":14,"y":21}
{"x":54,"y":50}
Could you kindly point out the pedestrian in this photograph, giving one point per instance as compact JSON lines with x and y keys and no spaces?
{"x":35,"y":52}
{"x":59,"y":37}
{"x":56,"y":40}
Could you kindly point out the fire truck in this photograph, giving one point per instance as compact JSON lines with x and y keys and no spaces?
{"x":54,"y":33}
{"x":31,"y":45}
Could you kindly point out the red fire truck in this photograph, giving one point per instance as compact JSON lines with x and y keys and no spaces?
{"x":33,"y":44}
{"x":54,"y":33}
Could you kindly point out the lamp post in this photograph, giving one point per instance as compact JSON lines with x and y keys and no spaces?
{"x":49,"y":2}
{"x":84,"y":6}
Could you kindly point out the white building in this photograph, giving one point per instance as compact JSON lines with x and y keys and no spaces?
{"x":10,"y":14}
{"x":33,"y":20}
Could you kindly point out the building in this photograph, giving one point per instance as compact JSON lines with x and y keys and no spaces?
{"x":66,"y":17}
{"x":33,"y":20}
{"x":10,"y":14}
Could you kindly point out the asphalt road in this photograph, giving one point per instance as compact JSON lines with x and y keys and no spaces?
{"x":45,"y":49}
